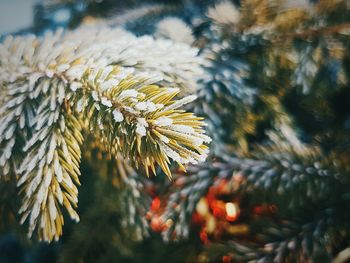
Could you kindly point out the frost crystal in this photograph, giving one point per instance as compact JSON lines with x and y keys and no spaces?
{"x":75,"y":85}
{"x":106,"y":102}
{"x":117,"y":116}
{"x":130,"y":93}
{"x":95,"y":95}
{"x":147,"y":106}
{"x":180,"y":103}
{"x":141,"y":127}
{"x":163,"y":121}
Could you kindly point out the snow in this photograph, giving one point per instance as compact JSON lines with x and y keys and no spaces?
{"x":117,"y":115}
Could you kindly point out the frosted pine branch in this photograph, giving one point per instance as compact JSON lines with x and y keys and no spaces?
{"x":175,"y":29}
{"x":105,"y":81}
{"x":145,"y":121}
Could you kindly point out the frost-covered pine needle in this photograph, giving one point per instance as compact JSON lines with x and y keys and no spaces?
{"x":101,"y":80}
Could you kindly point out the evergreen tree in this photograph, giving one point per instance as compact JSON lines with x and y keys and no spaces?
{"x":271,"y":78}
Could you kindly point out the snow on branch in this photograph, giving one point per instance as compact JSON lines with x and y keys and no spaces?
{"x":101,"y":80}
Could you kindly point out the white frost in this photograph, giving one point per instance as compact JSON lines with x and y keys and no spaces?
{"x":163,"y":121}
{"x":75,"y":85}
{"x":106,"y":102}
{"x":117,"y":115}
{"x":180,"y":103}
{"x":141,"y":126}
{"x":130,"y":93}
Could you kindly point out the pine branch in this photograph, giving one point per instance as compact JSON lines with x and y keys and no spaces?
{"x":135,"y":200}
{"x":289,"y":240}
{"x":74,"y":87}
{"x":186,"y":192}
{"x":299,"y":174}
{"x":49,"y":175}
{"x":225,"y":97}
{"x":290,"y":178}
{"x":141,"y":120}
{"x":175,"y":29}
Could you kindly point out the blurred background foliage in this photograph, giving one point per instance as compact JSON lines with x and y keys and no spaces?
{"x":275,"y":95}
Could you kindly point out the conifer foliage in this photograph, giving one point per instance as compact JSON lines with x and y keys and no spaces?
{"x":104,"y":82}
{"x":268,"y":81}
